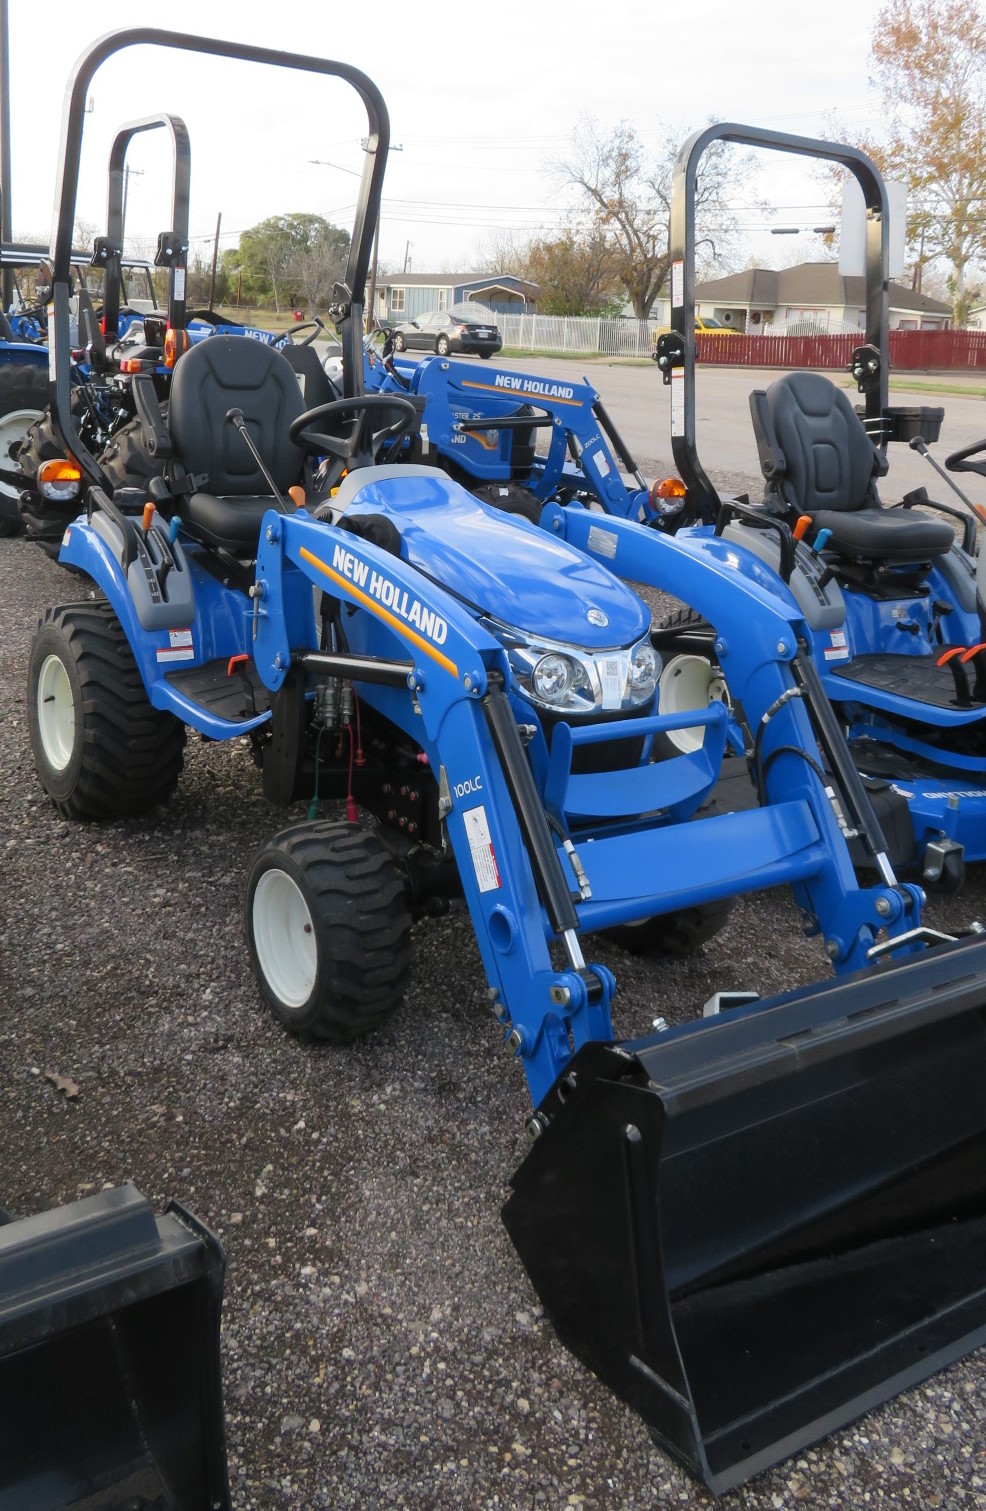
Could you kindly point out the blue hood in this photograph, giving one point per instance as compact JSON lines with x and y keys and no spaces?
{"x":500,"y":565}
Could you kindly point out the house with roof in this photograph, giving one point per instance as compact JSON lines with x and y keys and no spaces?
{"x":404,"y":296}
{"x":811,"y":298}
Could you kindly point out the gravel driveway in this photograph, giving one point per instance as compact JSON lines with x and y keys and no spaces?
{"x":381,"y":1345}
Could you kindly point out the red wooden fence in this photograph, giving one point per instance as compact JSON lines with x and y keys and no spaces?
{"x":909,"y":350}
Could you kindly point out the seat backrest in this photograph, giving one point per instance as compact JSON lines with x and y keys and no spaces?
{"x":235,"y":372}
{"x":315,"y":384}
{"x":829,"y":460}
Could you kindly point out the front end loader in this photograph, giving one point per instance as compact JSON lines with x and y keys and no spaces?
{"x":109,"y":1359}
{"x":752,"y":1227}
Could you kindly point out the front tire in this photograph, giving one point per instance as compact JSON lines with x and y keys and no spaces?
{"x":329,"y":930}
{"x":673,"y":936}
{"x":100,"y":748}
{"x":691,"y":678}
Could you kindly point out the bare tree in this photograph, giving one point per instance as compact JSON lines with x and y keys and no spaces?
{"x":500,"y":251}
{"x":929,"y":59}
{"x":628,"y":193}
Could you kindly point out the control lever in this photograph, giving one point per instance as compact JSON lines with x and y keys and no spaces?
{"x":235,"y":418}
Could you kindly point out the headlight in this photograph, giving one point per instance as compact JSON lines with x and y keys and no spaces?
{"x":557,"y":677}
{"x":645,"y":667}
{"x":565,"y":679}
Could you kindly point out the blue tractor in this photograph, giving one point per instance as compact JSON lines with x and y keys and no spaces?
{"x":116,"y":330}
{"x":482,"y":697}
{"x":891,"y":595}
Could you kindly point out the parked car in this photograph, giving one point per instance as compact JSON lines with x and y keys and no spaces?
{"x":705,"y":325}
{"x":463,"y":328}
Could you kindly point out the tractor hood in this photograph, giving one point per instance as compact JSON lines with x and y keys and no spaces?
{"x":499,"y":564}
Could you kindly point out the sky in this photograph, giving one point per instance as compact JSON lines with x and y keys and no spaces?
{"x":481,"y":101}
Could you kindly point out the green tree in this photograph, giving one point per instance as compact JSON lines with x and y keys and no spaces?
{"x":929,"y":61}
{"x":628,"y":193}
{"x":575,"y":272}
{"x":288,"y":257}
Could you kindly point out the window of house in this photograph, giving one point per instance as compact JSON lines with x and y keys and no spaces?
{"x":397,"y":297}
{"x":443,"y":299}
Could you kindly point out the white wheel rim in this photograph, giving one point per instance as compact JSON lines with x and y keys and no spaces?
{"x":687,"y":683}
{"x":284,"y":938}
{"x":56,"y":713}
{"x":14,"y":426}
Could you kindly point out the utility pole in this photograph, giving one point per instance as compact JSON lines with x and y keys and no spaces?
{"x":127,"y":172}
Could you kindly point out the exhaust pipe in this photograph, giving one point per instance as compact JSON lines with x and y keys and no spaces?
{"x":759,"y":1226}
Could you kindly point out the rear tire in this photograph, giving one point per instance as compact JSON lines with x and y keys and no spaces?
{"x":329,"y":930}
{"x":398,"y":342}
{"x":442,"y":346}
{"x":100,"y":748}
{"x":23,"y":399}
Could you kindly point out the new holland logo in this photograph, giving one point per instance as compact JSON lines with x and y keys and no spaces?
{"x":541,"y":386}
{"x":388,"y":601}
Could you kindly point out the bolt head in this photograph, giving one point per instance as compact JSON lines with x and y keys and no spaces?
{"x":883,"y":907}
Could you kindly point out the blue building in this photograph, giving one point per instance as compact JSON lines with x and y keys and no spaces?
{"x":404,"y":296}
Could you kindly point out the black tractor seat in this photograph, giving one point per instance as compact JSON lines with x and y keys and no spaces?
{"x":228,"y":495}
{"x":818,"y":460}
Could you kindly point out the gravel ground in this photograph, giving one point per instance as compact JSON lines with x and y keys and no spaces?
{"x":381,"y":1344}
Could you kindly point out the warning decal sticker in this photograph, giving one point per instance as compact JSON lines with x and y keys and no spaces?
{"x":481,"y":848}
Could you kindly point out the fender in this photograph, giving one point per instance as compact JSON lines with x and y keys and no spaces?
{"x":193,"y":622}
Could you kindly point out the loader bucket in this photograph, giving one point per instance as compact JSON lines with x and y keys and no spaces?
{"x":757,"y":1227}
{"x":109,"y":1360}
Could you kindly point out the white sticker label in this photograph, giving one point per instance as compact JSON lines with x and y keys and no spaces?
{"x":602,"y":465}
{"x":179,"y":637}
{"x":179,"y":283}
{"x":677,"y":401}
{"x":481,"y":849}
{"x":603,"y":542}
{"x":613,"y":673}
{"x":677,"y":283}
{"x":184,"y":653}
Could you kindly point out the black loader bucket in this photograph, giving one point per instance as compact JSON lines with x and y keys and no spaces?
{"x":110,"y":1389}
{"x":756,"y":1228}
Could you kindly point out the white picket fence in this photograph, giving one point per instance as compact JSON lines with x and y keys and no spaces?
{"x":580,"y":335}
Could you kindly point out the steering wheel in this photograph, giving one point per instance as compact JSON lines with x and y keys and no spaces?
{"x":314,"y":323}
{"x":958,"y":461}
{"x":362,"y":446}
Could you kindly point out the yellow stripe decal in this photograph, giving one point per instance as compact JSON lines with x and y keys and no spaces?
{"x":382,"y":613}
{"x":517,"y":393}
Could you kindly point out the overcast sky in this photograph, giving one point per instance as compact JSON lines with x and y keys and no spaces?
{"x":481,"y":99}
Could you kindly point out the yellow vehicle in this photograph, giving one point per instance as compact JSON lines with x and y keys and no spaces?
{"x":705,"y":325}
